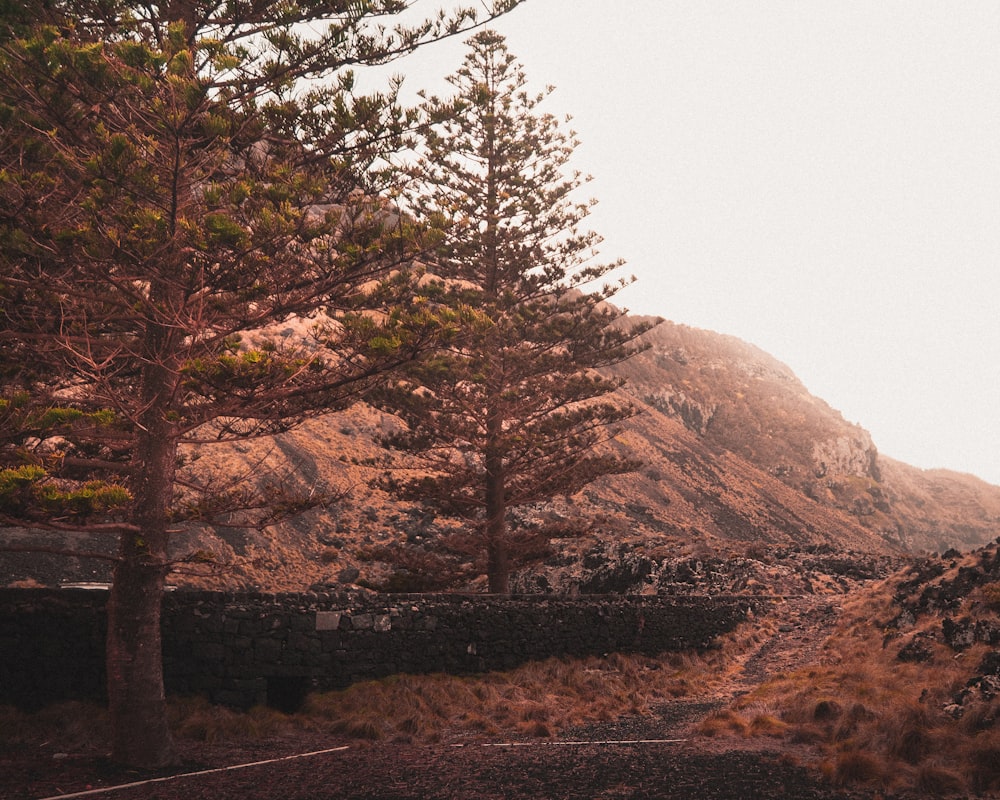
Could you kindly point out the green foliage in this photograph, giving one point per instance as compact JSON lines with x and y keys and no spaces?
{"x":517,"y":394}
{"x":177,"y":179}
{"x":13,"y":482}
{"x":30,"y":489}
{"x":163,"y":190}
{"x":23,"y":417}
{"x":92,"y":498}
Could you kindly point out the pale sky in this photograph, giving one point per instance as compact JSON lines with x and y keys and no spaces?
{"x":819,"y":178}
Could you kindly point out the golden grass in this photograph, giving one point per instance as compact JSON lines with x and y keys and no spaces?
{"x":874,"y":720}
{"x":196,"y":719}
{"x":537,"y":699}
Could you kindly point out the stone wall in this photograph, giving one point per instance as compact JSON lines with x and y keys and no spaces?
{"x":247,"y":649}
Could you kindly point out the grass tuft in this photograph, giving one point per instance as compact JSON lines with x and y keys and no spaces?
{"x":722,"y":723}
{"x":196,"y":719}
{"x":854,"y":767}
{"x":767,"y":725}
{"x":69,"y":726}
{"x":984,"y":759}
{"x":936,"y":781}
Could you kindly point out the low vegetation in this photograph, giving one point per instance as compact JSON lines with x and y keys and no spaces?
{"x":535,"y":700}
{"x":906,"y":696}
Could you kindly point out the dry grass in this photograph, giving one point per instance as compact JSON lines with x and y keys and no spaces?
{"x":72,"y":726}
{"x":196,"y":719}
{"x":536,"y":700}
{"x":874,"y":720}
{"x":79,"y":727}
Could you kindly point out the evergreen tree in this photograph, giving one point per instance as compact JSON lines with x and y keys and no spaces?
{"x":515,"y":412}
{"x":176,"y":180}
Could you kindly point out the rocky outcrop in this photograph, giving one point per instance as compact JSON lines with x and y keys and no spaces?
{"x":612,"y":568}
{"x":953,"y":600}
{"x":695,"y":415}
{"x":846,"y":455}
{"x":736,"y":399}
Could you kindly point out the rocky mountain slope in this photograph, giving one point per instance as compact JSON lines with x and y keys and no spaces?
{"x":740,"y":402}
{"x":739,"y":461}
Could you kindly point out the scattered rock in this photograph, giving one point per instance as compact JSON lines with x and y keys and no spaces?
{"x":959,"y":635}
{"x":917,"y":650}
{"x":348,"y":575}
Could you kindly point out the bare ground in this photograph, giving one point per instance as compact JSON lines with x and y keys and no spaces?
{"x":655,"y":756}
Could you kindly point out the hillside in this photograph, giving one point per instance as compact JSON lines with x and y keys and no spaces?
{"x":739,"y":460}
{"x":738,"y":400}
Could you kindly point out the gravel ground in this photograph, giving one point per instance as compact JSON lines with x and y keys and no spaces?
{"x":557,"y":769}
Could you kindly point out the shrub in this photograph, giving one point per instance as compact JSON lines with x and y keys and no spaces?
{"x":827,"y":710}
{"x":858,"y":767}
{"x":991,"y":595}
{"x":934,"y":780}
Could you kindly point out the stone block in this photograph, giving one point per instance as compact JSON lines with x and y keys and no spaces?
{"x":209,"y":651}
{"x":362,"y":622}
{"x":328,"y":620}
{"x":303,"y":621}
{"x":267,"y":651}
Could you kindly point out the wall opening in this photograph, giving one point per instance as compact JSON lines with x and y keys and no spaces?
{"x":287,"y":694}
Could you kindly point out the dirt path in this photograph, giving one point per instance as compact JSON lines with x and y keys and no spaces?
{"x":804,"y":624}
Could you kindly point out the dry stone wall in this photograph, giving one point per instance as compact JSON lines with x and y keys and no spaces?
{"x":248,"y":648}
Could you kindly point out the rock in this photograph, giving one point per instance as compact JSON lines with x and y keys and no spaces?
{"x":348,"y":575}
{"x":916,"y":651}
{"x":959,"y":635}
{"x":904,"y":621}
{"x":990,"y":665}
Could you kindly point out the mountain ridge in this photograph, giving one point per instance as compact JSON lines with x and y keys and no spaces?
{"x":739,"y":399}
{"x":737,"y":456}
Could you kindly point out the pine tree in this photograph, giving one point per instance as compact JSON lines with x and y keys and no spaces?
{"x":176,"y":180}
{"x":515,"y":412}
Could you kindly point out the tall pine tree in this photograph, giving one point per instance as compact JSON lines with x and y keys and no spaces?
{"x":177,"y":179}
{"x":515,"y":412}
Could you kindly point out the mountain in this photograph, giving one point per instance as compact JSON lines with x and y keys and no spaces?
{"x":739,"y":402}
{"x":739,"y":460}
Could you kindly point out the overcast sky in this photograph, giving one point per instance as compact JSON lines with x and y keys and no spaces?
{"x":819,"y":178}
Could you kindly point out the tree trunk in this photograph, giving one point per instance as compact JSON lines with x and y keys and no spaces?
{"x":497,"y":555}
{"x":497,"y":566}
{"x":140,"y":736}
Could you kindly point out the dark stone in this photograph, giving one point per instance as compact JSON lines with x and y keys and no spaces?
{"x":917,"y":650}
{"x":959,"y":635}
{"x":348,"y":575}
{"x":287,"y":694}
{"x":990,"y":665}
